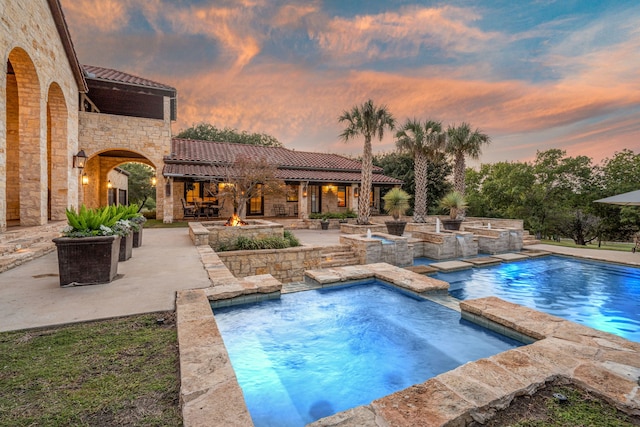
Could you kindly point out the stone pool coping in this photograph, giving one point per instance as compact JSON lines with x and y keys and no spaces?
{"x":598,"y":361}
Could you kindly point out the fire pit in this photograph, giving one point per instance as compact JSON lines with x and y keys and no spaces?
{"x":224,"y":233}
{"x":235,"y":221}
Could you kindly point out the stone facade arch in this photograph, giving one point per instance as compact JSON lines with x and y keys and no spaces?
{"x":26,"y":167}
{"x":98,"y":167}
{"x":147,"y":141}
{"x":38,"y":117}
{"x":58,"y":157}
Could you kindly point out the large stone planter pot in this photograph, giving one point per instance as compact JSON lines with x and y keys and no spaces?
{"x":137,"y":238}
{"x":395,"y":227}
{"x":324,"y":225}
{"x":451,"y":224}
{"x":87,"y":260}
{"x":126,"y":247}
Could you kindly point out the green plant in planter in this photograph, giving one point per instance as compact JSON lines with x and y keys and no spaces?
{"x":396,"y":202}
{"x":454,"y":201}
{"x":91,"y":222}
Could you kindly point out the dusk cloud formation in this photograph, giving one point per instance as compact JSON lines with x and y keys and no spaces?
{"x":533,"y":75}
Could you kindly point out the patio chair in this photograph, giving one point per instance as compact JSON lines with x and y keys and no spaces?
{"x":278,"y":210}
{"x":189,"y":211}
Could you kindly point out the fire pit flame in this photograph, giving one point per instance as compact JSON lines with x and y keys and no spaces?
{"x":235,"y":221}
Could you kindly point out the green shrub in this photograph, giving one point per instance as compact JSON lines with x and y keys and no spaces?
{"x":291,"y":239}
{"x":334,"y":215}
{"x":243,"y":243}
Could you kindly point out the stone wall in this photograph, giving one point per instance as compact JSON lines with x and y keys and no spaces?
{"x":43,"y":118}
{"x":220,"y":235}
{"x":393,"y":250}
{"x":150,"y":138}
{"x":495,"y":241}
{"x":444,"y":245}
{"x":286,"y":265}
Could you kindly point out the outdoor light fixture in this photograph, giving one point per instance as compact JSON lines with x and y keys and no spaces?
{"x":154,"y":181}
{"x":80,"y":160}
{"x":85,"y":179}
{"x":356,"y":192}
{"x":109,"y":184}
{"x":305,"y":186}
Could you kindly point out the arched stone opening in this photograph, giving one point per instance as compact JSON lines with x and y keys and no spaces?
{"x":58,"y":156}
{"x":95,"y":192}
{"x":26,"y":195}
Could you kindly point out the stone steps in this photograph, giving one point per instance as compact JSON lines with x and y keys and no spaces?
{"x":528,"y":239}
{"x":338,"y":256}
{"x":22,"y":244}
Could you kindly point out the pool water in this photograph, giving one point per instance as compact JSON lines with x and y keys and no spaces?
{"x":600,"y":295}
{"x":311,"y":354}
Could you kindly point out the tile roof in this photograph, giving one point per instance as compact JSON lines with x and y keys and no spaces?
{"x":207,"y":159}
{"x":108,"y":74}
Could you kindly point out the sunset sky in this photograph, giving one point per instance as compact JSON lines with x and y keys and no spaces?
{"x":533,"y":74}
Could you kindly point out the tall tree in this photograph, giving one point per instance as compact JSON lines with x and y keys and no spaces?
{"x":248,"y":178}
{"x":369,"y":121}
{"x":141,"y":189}
{"x":208,"y":132}
{"x":463,"y":142}
{"x":425,"y":143}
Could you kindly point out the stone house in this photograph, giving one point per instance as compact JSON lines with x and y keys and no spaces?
{"x":315,"y":182}
{"x":67,"y":128}
{"x":56,"y":109}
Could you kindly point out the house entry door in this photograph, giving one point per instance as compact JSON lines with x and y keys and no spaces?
{"x":316,"y":199}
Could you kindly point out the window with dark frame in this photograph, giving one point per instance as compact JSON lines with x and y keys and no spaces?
{"x":342,"y":196}
{"x":292,"y":193}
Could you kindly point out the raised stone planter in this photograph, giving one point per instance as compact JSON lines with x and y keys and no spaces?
{"x":215,"y":233}
{"x":286,"y":265}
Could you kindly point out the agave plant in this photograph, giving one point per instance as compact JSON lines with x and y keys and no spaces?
{"x":454,"y":201}
{"x":91,"y":222}
{"x":396,"y":202}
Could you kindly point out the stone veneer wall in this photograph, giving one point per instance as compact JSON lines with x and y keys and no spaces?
{"x":148,"y":137}
{"x":372,"y":250}
{"x":444,"y":245}
{"x":30,"y":40}
{"x":219,"y":234}
{"x":495,"y":241}
{"x":286,"y":265}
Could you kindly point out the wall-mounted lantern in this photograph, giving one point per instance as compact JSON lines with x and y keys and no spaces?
{"x":80,"y":160}
{"x":109,"y":184}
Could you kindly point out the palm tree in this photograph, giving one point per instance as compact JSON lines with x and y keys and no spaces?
{"x":424,"y":143}
{"x":369,"y":121}
{"x":461,"y":142}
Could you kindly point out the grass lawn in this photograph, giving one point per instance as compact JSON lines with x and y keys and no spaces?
{"x":611,"y":246}
{"x":156,"y":223}
{"x":121,"y":372}
{"x":543,"y":409}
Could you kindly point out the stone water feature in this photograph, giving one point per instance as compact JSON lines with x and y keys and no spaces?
{"x":375,"y":247}
{"x":444,"y":245}
{"x":493,"y":240}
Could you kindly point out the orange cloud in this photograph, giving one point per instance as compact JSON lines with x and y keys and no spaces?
{"x":104,"y":15}
{"x":401,"y":34}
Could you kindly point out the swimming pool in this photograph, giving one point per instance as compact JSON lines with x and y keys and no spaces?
{"x":600,"y":295}
{"x":315,"y":353}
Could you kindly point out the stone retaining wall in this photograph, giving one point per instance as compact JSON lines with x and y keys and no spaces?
{"x":287,"y":265}
{"x":372,"y":250}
